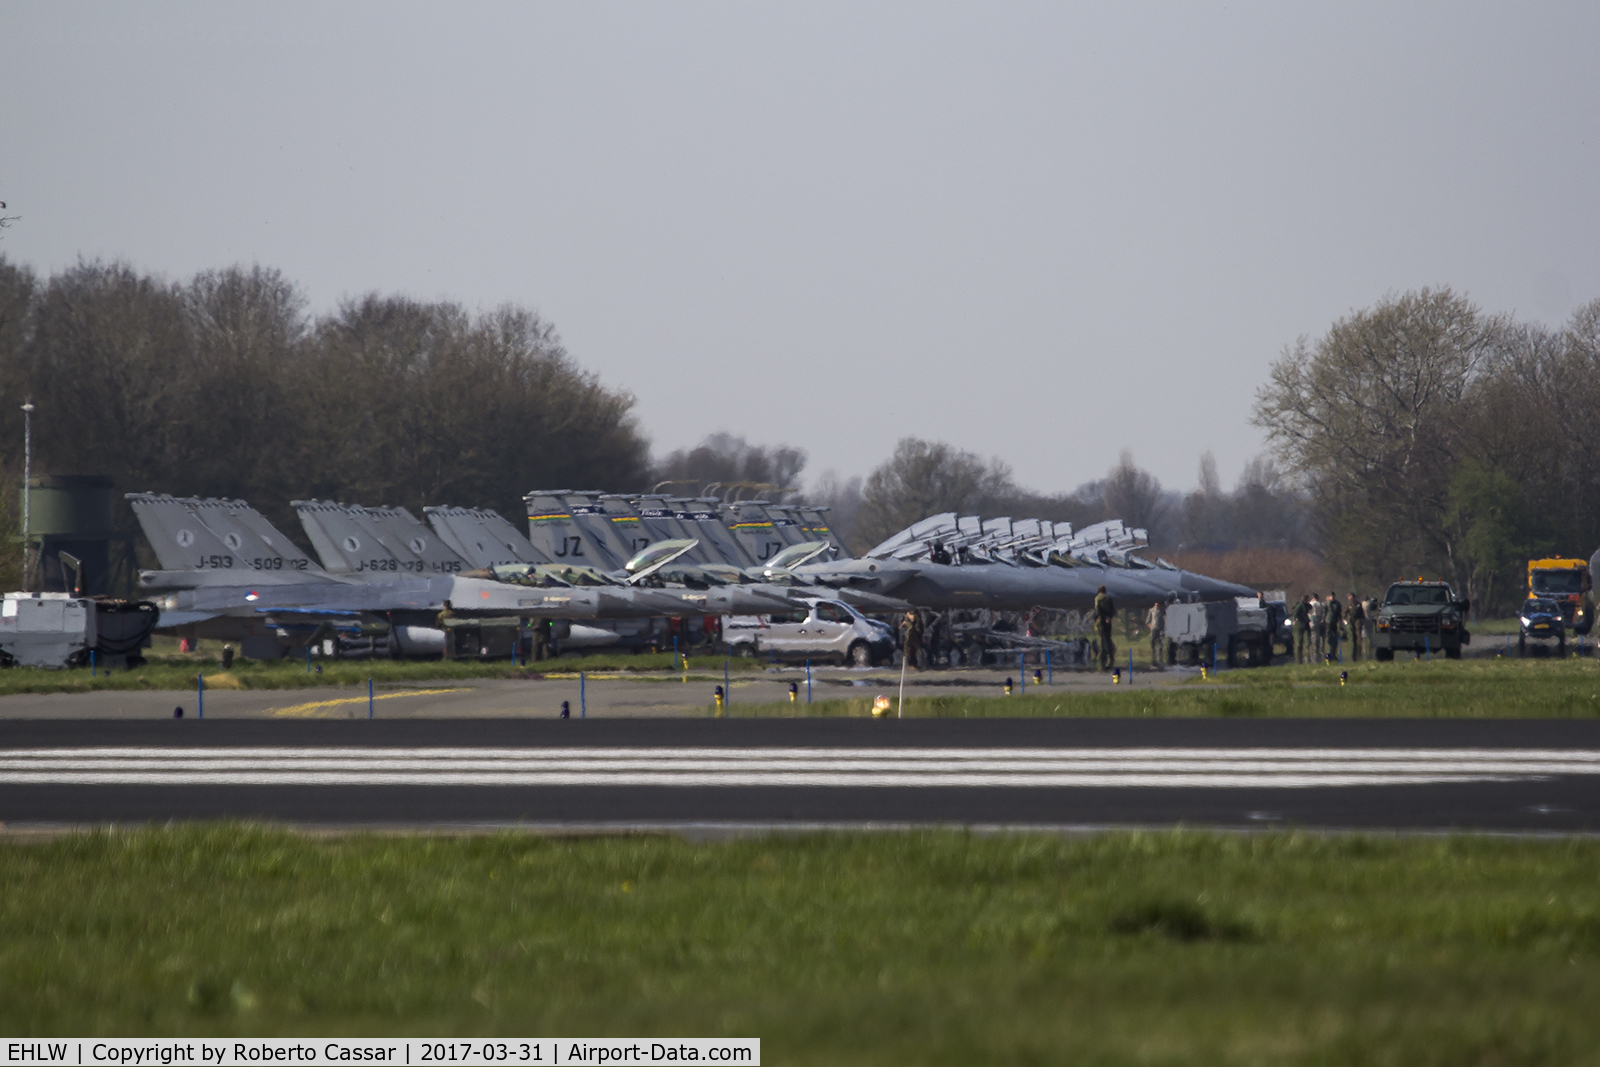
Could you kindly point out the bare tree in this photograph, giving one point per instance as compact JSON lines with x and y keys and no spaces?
{"x":1134,"y":496}
{"x":925,"y":478}
{"x":842,"y":498}
{"x":725,"y":459}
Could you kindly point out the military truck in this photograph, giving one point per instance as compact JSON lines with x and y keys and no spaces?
{"x":1567,"y":582}
{"x":1203,"y":633}
{"x":1420,"y":616}
{"x":1240,"y":629}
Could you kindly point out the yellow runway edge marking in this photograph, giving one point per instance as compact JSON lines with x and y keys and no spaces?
{"x":310,"y":710}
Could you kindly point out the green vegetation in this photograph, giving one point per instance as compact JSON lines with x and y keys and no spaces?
{"x":1540,"y":688}
{"x":917,"y":948}
{"x":177,"y":671}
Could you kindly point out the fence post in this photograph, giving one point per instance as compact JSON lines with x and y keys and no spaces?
{"x":583,"y":704}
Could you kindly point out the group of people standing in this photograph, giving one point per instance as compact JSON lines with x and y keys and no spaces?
{"x":1320,"y":627}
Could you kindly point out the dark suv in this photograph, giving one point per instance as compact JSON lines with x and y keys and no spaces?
{"x":1420,"y":617}
{"x":1541,"y":620}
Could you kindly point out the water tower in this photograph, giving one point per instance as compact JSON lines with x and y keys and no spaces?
{"x":71,"y":515}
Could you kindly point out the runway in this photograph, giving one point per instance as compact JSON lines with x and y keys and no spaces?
{"x":642,"y":774}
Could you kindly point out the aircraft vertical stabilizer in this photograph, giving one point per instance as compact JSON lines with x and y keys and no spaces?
{"x":400,"y":529}
{"x":664,"y":523}
{"x":182,"y":542}
{"x":623,"y":520}
{"x":817,"y":529}
{"x":248,"y":518}
{"x":482,"y":537}
{"x":787,"y":525}
{"x":751,"y":524}
{"x":570,"y":527}
{"x":346,"y":545}
{"x":701,"y":517}
{"x":167,"y":526}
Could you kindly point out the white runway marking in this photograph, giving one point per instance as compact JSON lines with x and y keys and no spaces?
{"x":1283,"y":768}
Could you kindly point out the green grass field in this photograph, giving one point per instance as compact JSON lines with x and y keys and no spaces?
{"x":916,"y":948}
{"x":1485,"y":688}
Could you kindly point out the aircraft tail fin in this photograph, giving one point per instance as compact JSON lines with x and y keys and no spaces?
{"x":702,"y":519}
{"x":482,"y":537}
{"x":343,"y":546}
{"x":181,"y":540}
{"x":570,"y":527}
{"x":753,"y":527}
{"x":421,"y":550}
{"x":262,"y":545}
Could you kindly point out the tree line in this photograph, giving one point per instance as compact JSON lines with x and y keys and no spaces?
{"x":224,"y":385}
{"x":1421,"y":435}
{"x":1433,"y":438}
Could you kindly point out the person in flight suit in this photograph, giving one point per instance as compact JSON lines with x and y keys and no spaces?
{"x":1156,"y":619}
{"x":1105,"y":613}
{"x":1302,"y":629}
{"x":1356,"y":615}
{"x":911,"y":638}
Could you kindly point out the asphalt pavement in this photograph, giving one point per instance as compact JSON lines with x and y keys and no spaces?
{"x":700,"y":774}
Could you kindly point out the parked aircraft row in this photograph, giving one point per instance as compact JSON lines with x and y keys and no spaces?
{"x":605,"y":559}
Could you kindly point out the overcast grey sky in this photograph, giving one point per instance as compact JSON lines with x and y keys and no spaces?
{"x":1039,"y":231}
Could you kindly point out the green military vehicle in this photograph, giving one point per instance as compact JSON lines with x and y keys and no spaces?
{"x":1420,"y":617}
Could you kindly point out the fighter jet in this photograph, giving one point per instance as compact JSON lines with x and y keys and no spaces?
{"x":1011,"y":564}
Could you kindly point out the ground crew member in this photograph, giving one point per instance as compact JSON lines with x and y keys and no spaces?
{"x":1356,"y":616}
{"x":1105,"y":613}
{"x":442,"y":621}
{"x":911,"y":639}
{"x":1157,"y":621}
{"x":1332,"y":618}
{"x":1302,"y":629}
{"x":1319,"y":636}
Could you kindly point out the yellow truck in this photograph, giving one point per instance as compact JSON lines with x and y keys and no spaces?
{"x":1568,"y":583}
